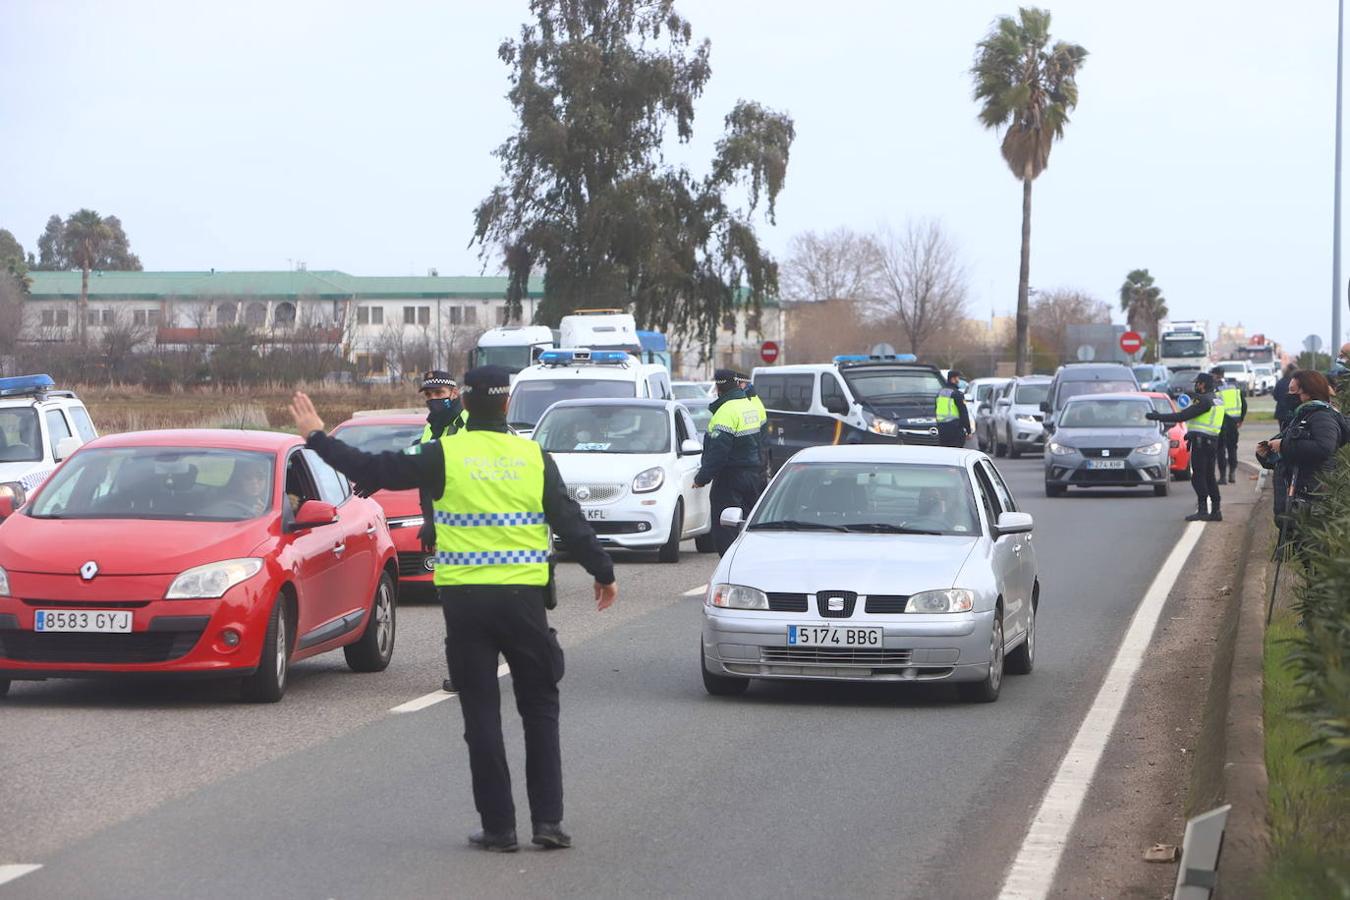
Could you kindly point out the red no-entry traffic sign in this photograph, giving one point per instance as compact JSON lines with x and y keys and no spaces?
{"x":768,"y":351}
{"x":1131,"y":341}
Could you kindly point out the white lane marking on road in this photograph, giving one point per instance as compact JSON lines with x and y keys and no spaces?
{"x":10,"y":872}
{"x":695,"y":592}
{"x":435,"y":697}
{"x":1032,"y":873}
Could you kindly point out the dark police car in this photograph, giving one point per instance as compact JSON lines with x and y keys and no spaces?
{"x":853,"y":400}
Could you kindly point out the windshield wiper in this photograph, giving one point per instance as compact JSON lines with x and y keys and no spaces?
{"x":794,"y":525}
{"x":887,"y":528}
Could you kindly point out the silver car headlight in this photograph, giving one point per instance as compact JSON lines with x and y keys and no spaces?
{"x":4,"y":582}
{"x":737,"y":596}
{"x":1060,"y":450}
{"x":1152,"y":449}
{"x":950,"y":600}
{"x":878,"y":425}
{"x":15,"y":490}
{"x":1027,"y":420}
{"x":649,"y":480}
{"x":213,"y":579}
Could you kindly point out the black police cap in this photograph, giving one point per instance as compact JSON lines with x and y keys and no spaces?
{"x":490,"y":380}
{"x":437,"y":378}
{"x":724,"y":376}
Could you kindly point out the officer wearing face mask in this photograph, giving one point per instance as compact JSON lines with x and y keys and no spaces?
{"x":1204,"y":429}
{"x":445,"y":416}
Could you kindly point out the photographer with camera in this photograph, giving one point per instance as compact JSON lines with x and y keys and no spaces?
{"x":1307,"y":446}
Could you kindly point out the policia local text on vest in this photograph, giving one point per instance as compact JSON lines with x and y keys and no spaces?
{"x":1204,"y":427}
{"x":495,"y":497}
{"x":732,"y":462}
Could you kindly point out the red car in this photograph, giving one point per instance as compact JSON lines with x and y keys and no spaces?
{"x":376,"y":433}
{"x":1180,"y":454}
{"x":212,"y":553}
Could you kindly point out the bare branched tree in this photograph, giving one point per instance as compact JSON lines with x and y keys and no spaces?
{"x":832,"y":265}
{"x":119,"y":341}
{"x":1053,"y":311}
{"x":920,"y":284}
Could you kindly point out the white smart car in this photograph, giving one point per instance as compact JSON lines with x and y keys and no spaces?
{"x":876,"y":563}
{"x":630,"y":464}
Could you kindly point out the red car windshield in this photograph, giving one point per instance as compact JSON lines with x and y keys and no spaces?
{"x":185,"y":483}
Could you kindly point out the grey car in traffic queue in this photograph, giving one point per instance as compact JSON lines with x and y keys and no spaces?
{"x":1103,"y":440}
{"x":880,"y":564}
{"x":1018,"y":424}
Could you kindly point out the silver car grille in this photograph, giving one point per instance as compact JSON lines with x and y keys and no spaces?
{"x":594,"y":493}
{"x":833,"y":656}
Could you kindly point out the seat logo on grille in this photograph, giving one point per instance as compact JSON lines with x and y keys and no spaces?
{"x":834,"y":604}
{"x":583,"y":493}
{"x":89,"y":570}
{"x":1106,"y":453}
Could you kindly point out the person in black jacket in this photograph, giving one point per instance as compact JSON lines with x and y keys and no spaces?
{"x":1285,"y":402}
{"x":488,"y":614}
{"x":1307,"y":447}
{"x":1204,"y":448}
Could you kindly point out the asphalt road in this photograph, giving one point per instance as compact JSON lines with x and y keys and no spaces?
{"x":172,"y":789}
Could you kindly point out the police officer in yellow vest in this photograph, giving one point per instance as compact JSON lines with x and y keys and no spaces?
{"x":1204,"y":426}
{"x":744,"y":383}
{"x":495,"y":496}
{"x":1234,"y":412}
{"x":953,"y":422}
{"x":731,"y":454}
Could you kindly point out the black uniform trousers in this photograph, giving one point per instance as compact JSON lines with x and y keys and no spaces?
{"x":951,"y":434}
{"x":1204,"y":478}
{"x":512,"y":622}
{"x":733,"y":486}
{"x":1226,"y":448}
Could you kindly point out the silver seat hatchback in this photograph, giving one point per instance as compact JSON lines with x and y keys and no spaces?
{"x":876,"y":563}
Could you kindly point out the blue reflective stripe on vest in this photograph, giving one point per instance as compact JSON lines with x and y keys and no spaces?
{"x":492,"y":558}
{"x":499,"y":519}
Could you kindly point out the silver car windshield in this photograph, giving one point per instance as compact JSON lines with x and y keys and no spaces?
{"x":1032,"y":393}
{"x":19,"y":437}
{"x":1106,"y":414}
{"x":379,"y":438}
{"x":159,"y":483}
{"x":604,"y":429}
{"x":877,"y":498}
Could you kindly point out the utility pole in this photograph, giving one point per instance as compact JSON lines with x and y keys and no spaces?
{"x":1336,"y":226}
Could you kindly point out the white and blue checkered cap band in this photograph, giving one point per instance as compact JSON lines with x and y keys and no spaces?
{"x":492,"y":558}
{"x":469,"y":520}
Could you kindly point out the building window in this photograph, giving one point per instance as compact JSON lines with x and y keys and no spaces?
{"x":226,"y":314}
{"x":55,"y":318}
{"x":470,"y":315}
{"x":255,"y":315}
{"x":409,"y":315}
{"x":284,"y":315}
{"x":377,"y":315}
{"x":424,"y":315}
{"x":456,"y":315}
{"x":145,"y":317}
{"x":363,"y":315}
{"x":503,"y":315}
{"x":370,"y":315}
{"x":368,"y":364}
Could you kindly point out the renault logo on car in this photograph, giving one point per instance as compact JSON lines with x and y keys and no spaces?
{"x":89,"y":570}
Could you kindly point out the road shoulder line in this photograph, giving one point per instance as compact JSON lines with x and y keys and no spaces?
{"x":10,"y":872}
{"x":1032,"y":872}
{"x":435,"y":697}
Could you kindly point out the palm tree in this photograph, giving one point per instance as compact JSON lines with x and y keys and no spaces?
{"x":87,"y":236}
{"x":1027,"y":84}
{"x":1143,"y":304}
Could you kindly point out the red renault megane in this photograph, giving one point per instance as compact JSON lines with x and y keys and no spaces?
{"x":214,"y":553}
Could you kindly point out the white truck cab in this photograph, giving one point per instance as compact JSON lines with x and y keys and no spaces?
{"x":581,"y":373}
{"x":512,"y":347}
{"x":39,"y":427}
{"x":600,"y":329}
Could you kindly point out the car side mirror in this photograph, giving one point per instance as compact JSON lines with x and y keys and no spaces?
{"x":984,"y":408}
{"x":6,"y":507}
{"x":836,"y":405}
{"x":314,"y":514}
{"x":1045,"y":406}
{"x":1014,"y":523}
{"x":690,"y":447}
{"x":732,"y":517}
{"x":66,"y":446}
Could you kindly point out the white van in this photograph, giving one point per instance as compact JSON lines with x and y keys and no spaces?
{"x":581,"y":373}
{"x":511,"y":346}
{"x":600,"y":329}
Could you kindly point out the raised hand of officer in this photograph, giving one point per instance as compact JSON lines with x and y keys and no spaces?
{"x":605,"y":595}
{"x":305,"y":415}
{"x":1153,"y":416}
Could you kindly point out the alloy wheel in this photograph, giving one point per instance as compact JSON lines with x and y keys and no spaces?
{"x":384,"y":619}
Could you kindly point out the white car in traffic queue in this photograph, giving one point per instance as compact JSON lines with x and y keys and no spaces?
{"x":876,"y":563}
{"x":630,"y":465}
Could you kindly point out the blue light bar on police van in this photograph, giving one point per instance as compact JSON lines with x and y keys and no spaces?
{"x":582,"y":355}
{"x":25,"y":384}
{"x":851,"y":357}
{"x":863,"y":357}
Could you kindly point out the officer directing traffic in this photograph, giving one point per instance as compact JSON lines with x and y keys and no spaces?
{"x":495,"y":497}
{"x":731,"y":455}
{"x":1204,"y":427}
{"x":1234,"y":412}
{"x":745,"y":384}
{"x":445,"y":415}
{"x":953,"y":421}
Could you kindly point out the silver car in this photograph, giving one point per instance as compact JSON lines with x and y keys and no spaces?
{"x":1018,"y":421}
{"x":876,"y":563}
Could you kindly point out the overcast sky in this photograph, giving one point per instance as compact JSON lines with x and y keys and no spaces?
{"x":357,"y":136}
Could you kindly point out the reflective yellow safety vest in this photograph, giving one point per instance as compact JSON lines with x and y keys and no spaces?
{"x":1211,"y":423}
{"x":741,"y":417}
{"x":459,"y":422}
{"x":946,"y":406}
{"x":1232,"y":401}
{"x":490,"y":526}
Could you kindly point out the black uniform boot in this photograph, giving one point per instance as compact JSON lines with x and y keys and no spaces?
{"x":1200,"y":515}
{"x":1232,"y":474}
{"x":495,"y":841}
{"x":1216,"y":515}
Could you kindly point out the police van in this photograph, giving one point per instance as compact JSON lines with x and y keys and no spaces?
{"x":853,"y":400}
{"x":580,"y":373}
{"x":39,"y":427}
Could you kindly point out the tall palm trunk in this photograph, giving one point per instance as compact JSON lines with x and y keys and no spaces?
{"x":1023,"y":285}
{"x":83,"y":311}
